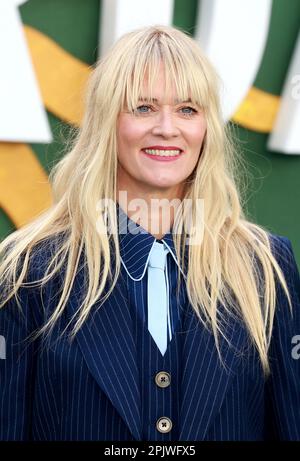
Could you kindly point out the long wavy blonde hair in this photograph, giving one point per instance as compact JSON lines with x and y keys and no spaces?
{"x":223,"y":268}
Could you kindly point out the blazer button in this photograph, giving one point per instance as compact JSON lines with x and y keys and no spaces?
{"x":164,"y":425}
{"x":163,"y":379}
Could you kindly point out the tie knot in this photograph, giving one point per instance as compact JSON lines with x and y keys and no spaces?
{"x":158,"y":256}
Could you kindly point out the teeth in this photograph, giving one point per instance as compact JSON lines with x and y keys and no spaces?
{"x":162,"y":153}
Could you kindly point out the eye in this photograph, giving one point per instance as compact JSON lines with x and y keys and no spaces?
{"x":144,"y":109}
{"x":187,"y":110}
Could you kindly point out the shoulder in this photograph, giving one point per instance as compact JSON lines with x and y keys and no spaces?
{"x":279,"y":244}
{"x":282,"y":250}
{"x":41,"y":256}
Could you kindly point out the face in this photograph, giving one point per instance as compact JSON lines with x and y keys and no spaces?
{"x":159,"y":144}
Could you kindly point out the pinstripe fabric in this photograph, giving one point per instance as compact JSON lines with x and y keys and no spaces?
{"x":135,"y":248}
{"x":90,"y":389}
{"x":157,"y":402}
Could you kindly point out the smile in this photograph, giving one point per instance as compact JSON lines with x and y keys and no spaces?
{"x":162,"y":153}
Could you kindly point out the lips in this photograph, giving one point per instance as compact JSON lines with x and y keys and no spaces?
{"x":153,"y":154}
{"x":163,"y":148}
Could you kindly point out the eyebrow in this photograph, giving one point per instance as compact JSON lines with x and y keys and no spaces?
{"x":177,"y":101}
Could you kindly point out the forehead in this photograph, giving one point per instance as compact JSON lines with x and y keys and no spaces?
{"x":164,"y":98}
{"x":159,"y":88}
{"x":163,"y":84}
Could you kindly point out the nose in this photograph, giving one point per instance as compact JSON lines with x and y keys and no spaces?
{"x":165,"y":125}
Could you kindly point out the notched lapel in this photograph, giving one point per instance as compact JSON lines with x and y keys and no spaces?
{"x":205,"y":380}
{"x":107,"y":344}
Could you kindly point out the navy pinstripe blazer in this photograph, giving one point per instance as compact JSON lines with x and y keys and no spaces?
{"x":88,"y":389}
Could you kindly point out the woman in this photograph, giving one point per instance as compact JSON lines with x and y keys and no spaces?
{"x":129,"y":326}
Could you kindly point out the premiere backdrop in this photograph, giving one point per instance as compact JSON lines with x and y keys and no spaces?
{"x":48,"y":48}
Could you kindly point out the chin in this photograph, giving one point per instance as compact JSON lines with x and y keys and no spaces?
{"x":163,"y":185}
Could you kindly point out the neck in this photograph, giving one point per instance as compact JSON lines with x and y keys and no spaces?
{"x":153,"y":210}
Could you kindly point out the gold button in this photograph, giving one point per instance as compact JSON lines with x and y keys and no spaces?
{"x":163,"y":379}
{"x":164,"y":425}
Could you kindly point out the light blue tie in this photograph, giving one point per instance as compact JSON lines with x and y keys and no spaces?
{"x":158,"y":296}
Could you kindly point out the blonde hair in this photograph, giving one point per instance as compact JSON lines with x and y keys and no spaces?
{"x":221,"y":268}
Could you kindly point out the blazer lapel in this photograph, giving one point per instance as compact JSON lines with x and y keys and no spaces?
{"x":205,"y":380}
{"x":107,"y":344}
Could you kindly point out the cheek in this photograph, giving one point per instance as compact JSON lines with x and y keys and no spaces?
{"x":129,"y":133}
{"x":196,"y":140}
{"x":196,"y":134}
